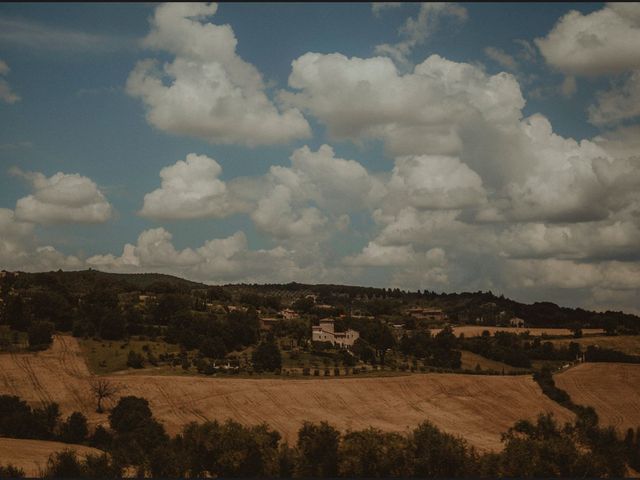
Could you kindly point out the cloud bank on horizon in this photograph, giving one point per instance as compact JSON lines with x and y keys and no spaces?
{"x":479,"y":192}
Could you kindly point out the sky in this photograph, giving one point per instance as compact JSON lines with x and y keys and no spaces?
{"x":447,"y":147}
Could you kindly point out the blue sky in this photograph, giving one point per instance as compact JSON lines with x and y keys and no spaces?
{"x":493,"y":147}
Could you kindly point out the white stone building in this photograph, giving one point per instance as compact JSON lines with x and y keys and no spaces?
{"x":325,"y":332}
{"x":516,"y":322}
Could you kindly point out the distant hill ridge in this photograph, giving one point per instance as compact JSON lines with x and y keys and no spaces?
{"x":465,"y":306}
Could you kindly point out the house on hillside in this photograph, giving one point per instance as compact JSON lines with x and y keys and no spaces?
{"x":398,"y":331}
{"x":289,"y":314}
{"x":427,"y":313}
{"x":268,"y":323}
{"x":325,"y":332}
{"x":516,"y":322}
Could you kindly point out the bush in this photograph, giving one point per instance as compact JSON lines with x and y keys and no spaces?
{"x":40,"y":335}
{"x":135,"y":360}
{"x":74,"y":430}
{"x":9,"y":471}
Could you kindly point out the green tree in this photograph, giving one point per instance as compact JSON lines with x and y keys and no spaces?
{"x":11,"y":471}
{"x":40,"y":335}
{"x":439,"y":454}
{"x":135,"y":360}
{"x":64,"y":464}
{"x":15,"y":313}
{"x":74,"y":429}
{"x":213,"y":347}
{"x":267,"y":356}
{"x":318,"y":450}
{"x":373,"y":453}
{"x":129,"y":414}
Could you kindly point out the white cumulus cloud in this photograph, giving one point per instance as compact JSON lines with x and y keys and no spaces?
{"x":207,"y":91}
{"x":191,"y":188}
{"x":603,"y":42}
{"x":62,"y":198}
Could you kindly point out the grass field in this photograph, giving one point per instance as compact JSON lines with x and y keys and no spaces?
{"x":32,"y":455}
{"x":470,"y":360}
{"x":477,"y":407}
{"x":613,"y":389}
{"x":104,"y":356}
{"x":629,"y":344}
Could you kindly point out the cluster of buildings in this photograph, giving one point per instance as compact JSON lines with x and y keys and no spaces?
{"x":325,"y":332}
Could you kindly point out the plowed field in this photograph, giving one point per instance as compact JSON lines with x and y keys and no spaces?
{"x":613,"y":389}
{"x":32,"y":455}
{"x":476,"y":407}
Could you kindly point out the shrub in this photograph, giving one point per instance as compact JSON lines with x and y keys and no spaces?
{"x":135,"y":360}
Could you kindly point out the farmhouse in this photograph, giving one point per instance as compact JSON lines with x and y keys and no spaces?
{"x":516,"y":322}
{"x":268,"y":323}
{"x":325,"y":332}
{"x":289,"y":314}
{"x":427,"y":313}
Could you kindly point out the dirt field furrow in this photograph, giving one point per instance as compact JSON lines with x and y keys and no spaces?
{"x":613,"y":389}
{"x":32,"y":455}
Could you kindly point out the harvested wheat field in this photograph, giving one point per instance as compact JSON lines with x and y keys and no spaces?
{"x":479,"y":408}
{"x":613,"y":389}
{"x":32,"y":455}
{"x":476,"y":331}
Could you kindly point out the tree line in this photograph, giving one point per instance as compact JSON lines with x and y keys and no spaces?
{"x":135,"y":439}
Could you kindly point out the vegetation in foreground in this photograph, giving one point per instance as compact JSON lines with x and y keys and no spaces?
{"x":136,"y":440}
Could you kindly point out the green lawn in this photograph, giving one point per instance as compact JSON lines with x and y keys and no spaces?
{"x":470,"y":360}
{"x":107,"y":356}
{"x":12,"y":340}
{"x":629,"y":344}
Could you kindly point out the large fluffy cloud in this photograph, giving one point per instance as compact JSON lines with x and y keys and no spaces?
{"x":207,"y":91}
{"x":421,"y":112}
{"x":602,"y":42}
{"x":435,"y":182}
{"x":317,"y":189}
{"x":191,"y":188}
{"x":219,"y":260}
{"x":62,"y":198}
{"x":19,"y":248}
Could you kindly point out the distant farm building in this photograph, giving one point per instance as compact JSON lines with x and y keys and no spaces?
{"x":516,"y":322}
{"x":325,"y":332}
{"x":422,"y":313}
{"x":289,"y":314}
{"x":268,"y":323}
{"x":398,"y":330}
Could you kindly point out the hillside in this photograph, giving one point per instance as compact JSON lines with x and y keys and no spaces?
{"x":465,"y":307}
{"x":31,"y":455}
{"x":479,"y":408}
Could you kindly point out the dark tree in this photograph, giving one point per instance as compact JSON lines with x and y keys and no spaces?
{"x":439,"y":454}
{"x":40,"y":335}
{"x":103,"y":389}
{"x":74,"y":429}
{"x":10,"y":471}
{"x":135,"y":360}
{"x":15,"y":313}
{"x":318,"y":450}
{"x":267,"y":356}
{"x":213,"y":347}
